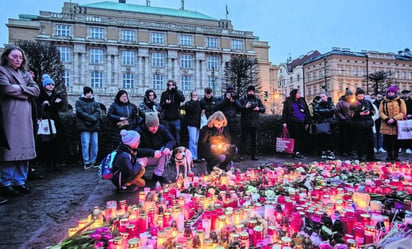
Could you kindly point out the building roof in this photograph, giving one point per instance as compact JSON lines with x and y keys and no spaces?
{"x":299,"y":61}
{"x":149,"y":10}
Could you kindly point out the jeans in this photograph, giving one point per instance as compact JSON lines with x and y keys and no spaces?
{"x":160,"y":163}
{"x":13,"y":173}
{"x":193,"y":139}
{"x":377,"y":140}
{"x":89,"y":142}
{"x":174,"y":127}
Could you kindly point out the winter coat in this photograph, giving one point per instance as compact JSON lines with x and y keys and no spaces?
{"x":149,"y":106}
{"x":209,"y":136}
{"x":150,"y":142}
{"x":343,"y":110}
{"x":230,"y":109}
{"x":16,"y":89}
{"x":193,"y":111}
{"x":171,"y":111}
{"x":390,"y":108}
{"x":209,"y":105}
{"x":52,"y":110}
{"x":87,"y":114}
{"x":288,"y":111}
{"x":362,"y":121}
{"x":250,"y":117}
{"x":119,"y":109}
{"x":125,"y":166}
{"x":324,"y":112}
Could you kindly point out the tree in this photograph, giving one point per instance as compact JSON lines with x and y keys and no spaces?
{"x":241,"y":72}
{"x":44,"y":58}
{"x":379,"y":81}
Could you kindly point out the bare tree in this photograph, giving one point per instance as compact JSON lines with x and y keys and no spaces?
{"x":44,"y":58}
{"x":241,"y":72}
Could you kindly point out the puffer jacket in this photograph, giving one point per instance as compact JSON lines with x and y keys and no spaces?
{"x":390,"y":108}
{"x":119,"y":109}
{"x":87,"y":114}
{"x":343,"y":110}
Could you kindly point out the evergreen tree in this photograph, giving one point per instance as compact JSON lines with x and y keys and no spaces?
{"x":379,"y":81}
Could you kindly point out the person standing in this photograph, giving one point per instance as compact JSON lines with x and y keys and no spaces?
{"x":149,"y":104}
{"x":407,"y":144}
{"x":296,"y":117}
{"x":123,"y":115}
{"x":88,"y":123}
{"x":192,"y":118}
{"x":49,"y":105}
{"x":249,"y":120}
{"x":324,"y":112}
{"x":208,"y":102}
{"x":16,"y":89}
{"x":391,"y":110}
{"x":344,"y":118}
{"x":362,"y":123}
{"x":377,"y":135}
{"x":170,"y":102}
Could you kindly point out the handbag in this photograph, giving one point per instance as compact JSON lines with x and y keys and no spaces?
{"x":284,"y":144}
{"x":203,"y":120}
{"x":46,"y":131}
{"x":122,"y":123}
{"x":404,"y":129}
{"x":323,"y":128}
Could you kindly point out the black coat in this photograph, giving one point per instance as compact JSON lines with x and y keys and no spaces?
{"x":209,"y":105}
{"x":87,"y":114}
{"x":209,"y":136}
{"x":171,"y":111}
{"x":230,"y":109}
{"x":119,"y":109}
{"x":193,"y":111}
{"x":288,"y":112}
{"x":125,"y":166}
{"x":150,"y":142}
{"x":249,"y":117}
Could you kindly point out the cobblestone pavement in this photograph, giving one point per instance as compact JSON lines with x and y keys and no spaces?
{"x":43,"y":217}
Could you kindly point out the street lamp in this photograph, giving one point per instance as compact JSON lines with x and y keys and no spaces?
{"x":277,"y":107}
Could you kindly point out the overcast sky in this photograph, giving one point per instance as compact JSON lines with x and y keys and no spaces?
{"x":292,"y":27}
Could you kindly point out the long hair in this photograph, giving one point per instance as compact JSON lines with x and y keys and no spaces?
{"x":293,"y":94}
{"x":4,"y":61}
{"x":216,"y":117}
{"x":120,"y":93}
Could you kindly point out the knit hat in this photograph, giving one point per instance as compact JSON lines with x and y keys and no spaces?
{"x":393,"y":89}
{"x":87,"y":89}
{"x":130,"y":138}
{"x":251,"y":88}
{"x":359,"y":91}
{"x":46,"y":80}
{"x":348,"y":92}
{"x":151,"y":119}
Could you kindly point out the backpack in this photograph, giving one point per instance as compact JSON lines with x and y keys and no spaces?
{"x":106,"y":166}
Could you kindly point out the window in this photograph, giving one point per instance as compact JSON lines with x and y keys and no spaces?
{"x":211,"y":82}
{"x":298,"y":77}
{"x":128,"y":35}
{"x":63,"y":30}
{"x":96,"y":56}
{"x":157,"y":81}
{"x":158,"y":60}
{"x":237,"y":44}
{"x":309,"y":91}
{"x":355,"y":72}
{"x":158,"y":38}
{"x":64,"y":54}
{"x":128,"y":80}
{"x":66,"y":78}
{"x":186,"y":82}
{"x":185,"y":40}
{"x":362,"y":72}
{"x":211,"y":42}
{"x":186,"y":61}
{"x":212,"y":62}
{"x":128,"y":58}
{"x":96,"y":79}
{"x":96,"y":33}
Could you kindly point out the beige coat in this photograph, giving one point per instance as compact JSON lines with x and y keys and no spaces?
{"x":391,"y":109}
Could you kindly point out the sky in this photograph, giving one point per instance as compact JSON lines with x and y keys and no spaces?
{"x":292,"y":28}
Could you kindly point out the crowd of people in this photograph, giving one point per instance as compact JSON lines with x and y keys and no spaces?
{"x":146,"y":134}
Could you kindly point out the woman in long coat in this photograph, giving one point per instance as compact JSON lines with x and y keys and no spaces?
{"x":16,"y":89}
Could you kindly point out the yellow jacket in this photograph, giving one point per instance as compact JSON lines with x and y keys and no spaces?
{"x":389,"y":108}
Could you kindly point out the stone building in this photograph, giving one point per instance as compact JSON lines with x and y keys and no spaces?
{"x":340,"y":68}
{"x":115,"y":45}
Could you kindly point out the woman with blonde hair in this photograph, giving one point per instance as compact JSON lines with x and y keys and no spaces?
{"x":215,"y":142}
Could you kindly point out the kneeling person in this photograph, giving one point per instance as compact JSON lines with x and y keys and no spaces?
{"x":127,"y":168}
{"x":156,"y":145}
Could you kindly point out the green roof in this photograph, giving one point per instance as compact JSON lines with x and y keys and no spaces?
{"x":149,"y":10}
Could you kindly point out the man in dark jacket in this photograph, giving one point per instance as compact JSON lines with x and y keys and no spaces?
{"x":230,"y":106}
{"x":192,"y":117}
{"x":249,"y":120}
{"x":156,"y":144}
{"x":88,"y":123}
{"x":208,"y":102}
{"x":170,"y":103}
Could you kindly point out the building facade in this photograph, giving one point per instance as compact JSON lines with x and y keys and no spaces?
{"x":110,"y":46}
{"x":340,"y":68}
